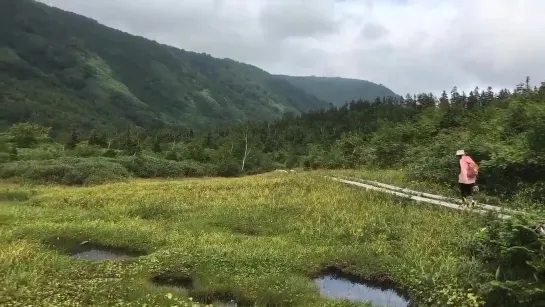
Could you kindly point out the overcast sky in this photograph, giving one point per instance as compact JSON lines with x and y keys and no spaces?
{"x":407,"y":45}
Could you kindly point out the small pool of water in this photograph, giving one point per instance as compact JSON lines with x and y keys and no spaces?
{"x":335,"y":287}
{"x":100,"y":254}
{"x":186,"y":284}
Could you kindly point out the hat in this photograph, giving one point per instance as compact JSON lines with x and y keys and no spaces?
{"x":460,"y":152}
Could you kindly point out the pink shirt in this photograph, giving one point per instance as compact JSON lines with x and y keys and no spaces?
{"x":465,"y":162}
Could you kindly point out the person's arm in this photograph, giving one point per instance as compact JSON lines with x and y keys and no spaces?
{"x":473,"y":164}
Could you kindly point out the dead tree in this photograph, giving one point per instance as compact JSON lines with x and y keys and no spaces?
{"x":246,"y":150}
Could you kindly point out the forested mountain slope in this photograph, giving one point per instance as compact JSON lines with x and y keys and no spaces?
{"x":340,"y":90}
{"x":61,"y":70}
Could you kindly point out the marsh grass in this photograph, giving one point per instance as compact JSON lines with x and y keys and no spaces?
{"x":256,"y":240}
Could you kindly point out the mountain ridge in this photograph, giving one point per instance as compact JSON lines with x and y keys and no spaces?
{"x":339,"y":90}
{"x":65,"y":70}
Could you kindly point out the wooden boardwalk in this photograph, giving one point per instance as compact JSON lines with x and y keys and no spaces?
{"x":418,"y":196}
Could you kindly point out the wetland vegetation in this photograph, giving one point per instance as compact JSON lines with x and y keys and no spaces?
{"x":255,"y":240}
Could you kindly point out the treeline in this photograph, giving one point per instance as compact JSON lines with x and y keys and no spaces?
{"x":503,"y":131}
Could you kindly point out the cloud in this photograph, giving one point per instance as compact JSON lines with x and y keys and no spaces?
{"x":373,"y":31}
{"x":408,"y":45}
{"x":298,"y":19}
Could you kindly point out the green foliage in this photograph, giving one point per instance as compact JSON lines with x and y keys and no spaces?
{"x":28,"y":135}
{"x":72,"y":141}
{"x":150,"y":167}
{"x":13,"y":153}
{"x":156,"y":146}
{"x":514,"y":253}
{"x":85,"y":150}
{"x":96,"y":139}
{"x":69,"y":171}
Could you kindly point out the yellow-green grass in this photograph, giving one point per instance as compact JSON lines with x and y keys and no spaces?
{"x":259,"y":239}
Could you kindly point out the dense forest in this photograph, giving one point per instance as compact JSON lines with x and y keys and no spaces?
{"x":503,"y":131}
{"x":337,"y":90}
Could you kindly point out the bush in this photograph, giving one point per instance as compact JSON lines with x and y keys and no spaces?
{"x":85,"y":150}
{"x":39,"y":153}
{"x":151,"y":167}
{"x":4,"y":157}
{"x":172,"y":156}
{"x":110,"y":153}
{"x":514,"y":254}
{"x":69,"y":171}
{"x":227,"y":168}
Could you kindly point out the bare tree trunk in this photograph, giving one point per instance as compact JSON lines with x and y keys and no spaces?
{"x":109,"y":144}
{"x":246,"y":151}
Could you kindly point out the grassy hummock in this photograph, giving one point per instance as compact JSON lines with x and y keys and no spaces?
{"x":255,"y":240}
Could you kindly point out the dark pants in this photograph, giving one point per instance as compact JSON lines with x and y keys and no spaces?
{"x":466,"y":190}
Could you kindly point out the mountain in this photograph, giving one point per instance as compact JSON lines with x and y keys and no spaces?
{"x":64,"y":70}
{"x":340,"y":90}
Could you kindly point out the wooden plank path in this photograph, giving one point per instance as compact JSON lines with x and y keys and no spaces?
{"x":434,"y":196}
{"x":423,"y":197}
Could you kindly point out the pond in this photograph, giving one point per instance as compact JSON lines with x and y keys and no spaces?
{"x":337,"y":287}
{"x":100,"y":254}
{"x":96,"y":252}
{"x":186,"y":283}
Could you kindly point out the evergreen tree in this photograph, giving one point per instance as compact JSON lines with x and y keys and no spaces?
{"x":473,"y":99}
{"x":72,"y":140}
{"x":444,"y":101}
{"x":156,"y":148}
{"x":455,"y":98}
{"x":13,"y":154}
{"x":97,"y":139}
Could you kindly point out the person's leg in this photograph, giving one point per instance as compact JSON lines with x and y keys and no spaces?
{"x":466,"y":190}
{"x":471,"y":200}
{"x":463,"y":193}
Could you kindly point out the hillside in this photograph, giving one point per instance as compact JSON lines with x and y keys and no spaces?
{"x":340,"y":90}
{"x":61,"y":70}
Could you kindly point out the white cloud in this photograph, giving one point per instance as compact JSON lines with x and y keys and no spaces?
{"x":408,"y":45}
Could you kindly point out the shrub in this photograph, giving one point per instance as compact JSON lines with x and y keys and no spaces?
{"x":39,"y":153}
{"x":69,"y":171}
{"x":227,"y":168}
{"x":151,"y":167}
{"x":110,"y":153}
{"x":85,"y":150}
{"x":4,"y":157}
{"x":514,"y":254}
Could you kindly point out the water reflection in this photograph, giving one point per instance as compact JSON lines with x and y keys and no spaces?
{"x":100,"y":254}
{"x":338,"y":288}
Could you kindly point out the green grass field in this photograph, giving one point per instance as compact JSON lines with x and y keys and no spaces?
{"x":257,"y":239}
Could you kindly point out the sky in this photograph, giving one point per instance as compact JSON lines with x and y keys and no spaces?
{"x":410,"y":46}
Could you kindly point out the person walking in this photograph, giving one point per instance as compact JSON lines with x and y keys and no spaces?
{"x":467,"y":177}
